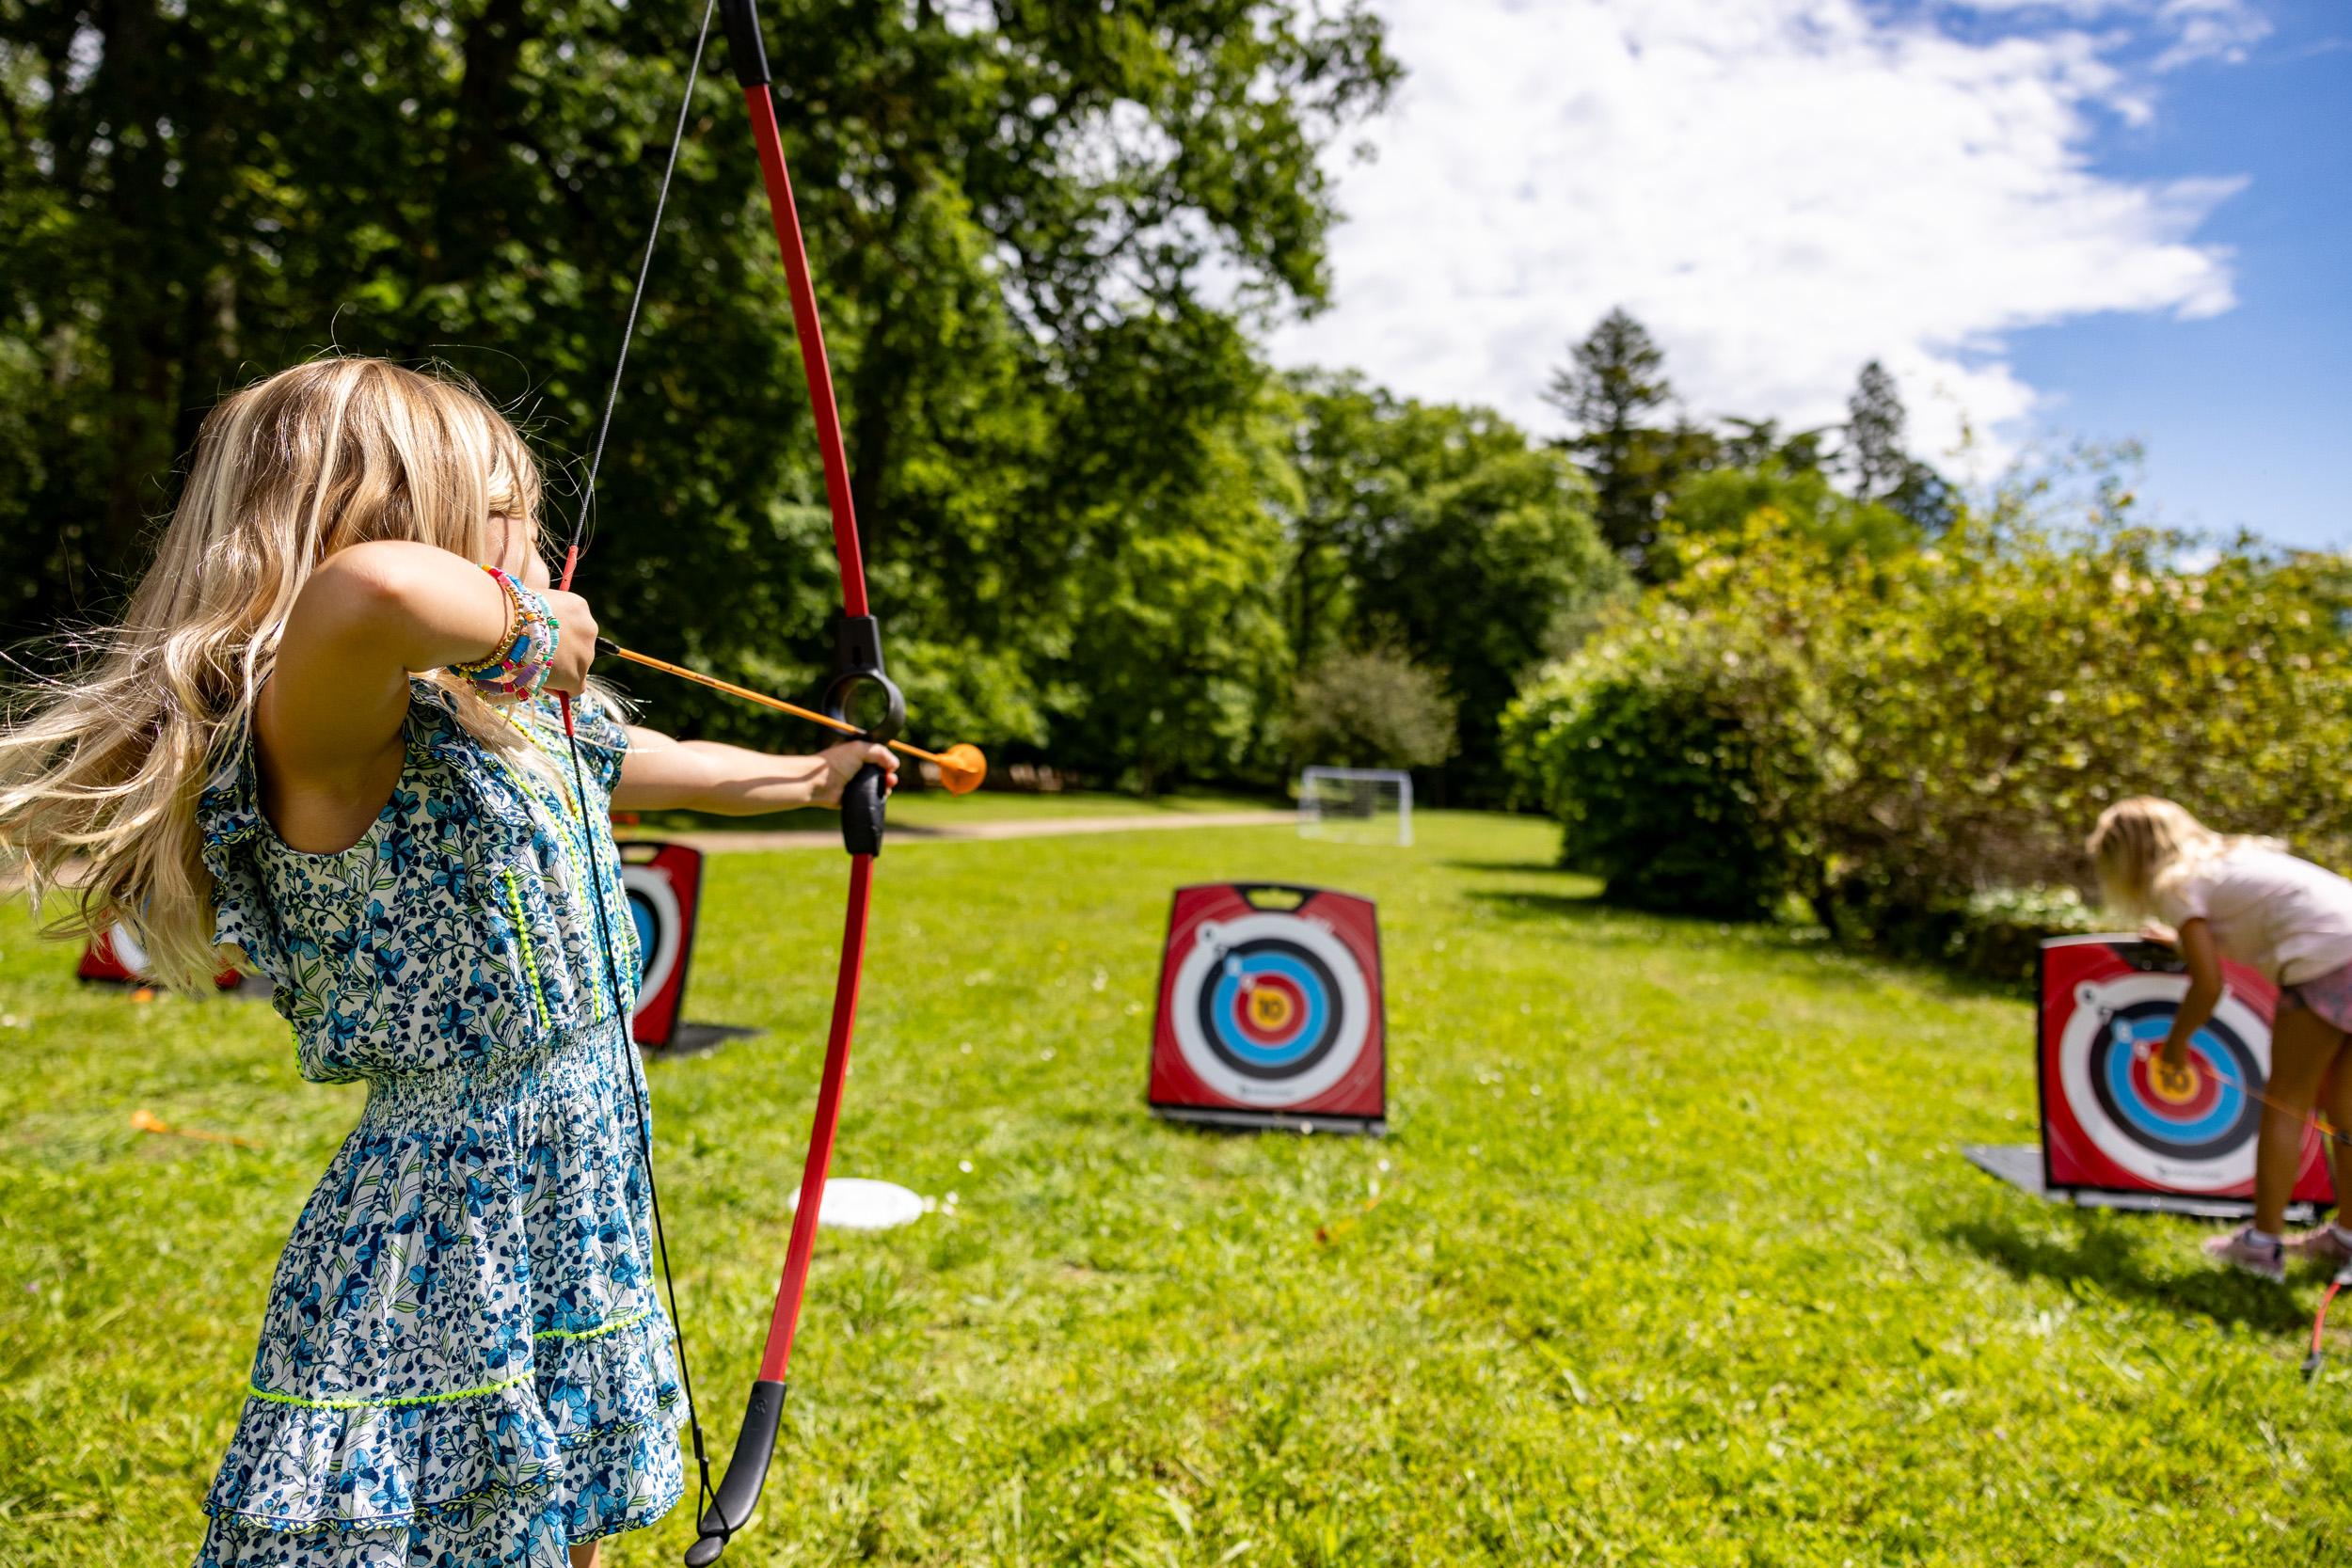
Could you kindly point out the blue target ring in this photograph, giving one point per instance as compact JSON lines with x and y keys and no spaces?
{"x":2216,"y":1124}
{"x":1228,"y":998}
{"x":1301,"y":1041}
{"x":642,"y":915}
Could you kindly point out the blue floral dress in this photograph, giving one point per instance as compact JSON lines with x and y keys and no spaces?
{"x":463,"y":1362}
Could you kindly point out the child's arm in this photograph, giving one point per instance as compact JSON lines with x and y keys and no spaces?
{"x":2204,"y":990}
{"x":658,"y":773}
{"x":330,"y":719}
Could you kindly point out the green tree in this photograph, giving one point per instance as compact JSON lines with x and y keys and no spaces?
{"x":1170,"y":660}
{"x":1001,"y":204}
{"x":1459,"y":537}
{"x":1717,"y":506}
{"x":1371,"y":708}
{"x":1755,"y":443}
{"x":1884,"y":473}
{"x":1901,"y":737}
{"x":1874,"y":434}
{"x":1612,"y":391}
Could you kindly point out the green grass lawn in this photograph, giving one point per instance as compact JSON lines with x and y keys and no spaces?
{"x":1675,"y":1259}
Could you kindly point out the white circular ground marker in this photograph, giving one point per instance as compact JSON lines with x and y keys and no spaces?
{"x":854,"y":1203}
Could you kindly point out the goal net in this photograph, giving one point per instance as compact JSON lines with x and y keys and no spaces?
{"x":1357,"y":805}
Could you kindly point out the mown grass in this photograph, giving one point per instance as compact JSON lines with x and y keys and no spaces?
{"x":1673,"y":1258}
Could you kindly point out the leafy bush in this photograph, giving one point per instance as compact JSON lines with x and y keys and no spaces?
{"x":1662,"y":752}
{"x":1946,"y":721}
{"x":1996,"y":934}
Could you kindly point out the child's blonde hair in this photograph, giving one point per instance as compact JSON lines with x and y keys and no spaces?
{"x":100,"y":768}
{"x":2141,"y":842}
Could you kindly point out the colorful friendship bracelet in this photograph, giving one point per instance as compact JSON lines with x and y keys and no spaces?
{"x":518,"y":665}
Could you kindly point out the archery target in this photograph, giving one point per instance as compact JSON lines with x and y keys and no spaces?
{"x":664,"y":883}
{"x":115,"y":955}
{"x":1270,"y":1009}
{"x":2196,"y":1136}
{"x":653,"y":908}
{"x":2112,"y":1119}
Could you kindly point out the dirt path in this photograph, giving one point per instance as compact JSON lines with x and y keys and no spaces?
{"x":1047,"y":827}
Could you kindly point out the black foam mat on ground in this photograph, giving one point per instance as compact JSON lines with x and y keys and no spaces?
{"x":2020,"y":1165}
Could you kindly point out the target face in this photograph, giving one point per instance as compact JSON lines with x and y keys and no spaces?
{"x":2114,"y":1117}
{"x":664,"y":883}
{"x":1270,"y":1009}
{"x":2194,"y":1131}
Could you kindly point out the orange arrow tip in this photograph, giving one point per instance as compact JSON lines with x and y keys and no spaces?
{"x":962,"y":767}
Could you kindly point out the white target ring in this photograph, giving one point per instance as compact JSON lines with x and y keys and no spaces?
{"x":2096,"y":1005}
{"x":1205,"y":966}
{"x":667,"y":940}
{"x":128,"y":953}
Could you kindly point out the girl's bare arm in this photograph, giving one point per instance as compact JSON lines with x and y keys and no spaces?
{"x":330,"y":719}
{"x":2204,"y":989}
{"x":660,"y":773}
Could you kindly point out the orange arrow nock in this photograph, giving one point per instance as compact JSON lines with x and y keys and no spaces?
{"x":962,"y":767}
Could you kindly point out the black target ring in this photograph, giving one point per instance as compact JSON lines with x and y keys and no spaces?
{"x":1212,"y":1027}
{"x":2245,"y":1127}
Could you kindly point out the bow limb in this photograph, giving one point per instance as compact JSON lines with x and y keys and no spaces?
{"x":857,"y":663}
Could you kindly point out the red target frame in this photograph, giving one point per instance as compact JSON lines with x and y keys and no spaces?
{"x":1271,"y":1010}
{"x":2086,"y":1147}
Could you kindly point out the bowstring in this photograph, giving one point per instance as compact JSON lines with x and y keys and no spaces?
{"x":583,"y":519}
{"x":580,"y":524}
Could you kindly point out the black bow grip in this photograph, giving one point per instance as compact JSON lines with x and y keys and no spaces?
{"x":857,"y":661}
{"x":744,"y":42}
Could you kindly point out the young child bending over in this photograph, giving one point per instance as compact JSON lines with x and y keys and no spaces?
{"x":462,"y":1358}
{"x":2247,"y":899}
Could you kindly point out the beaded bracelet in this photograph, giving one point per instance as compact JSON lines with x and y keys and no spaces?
{"x":518,"y":665}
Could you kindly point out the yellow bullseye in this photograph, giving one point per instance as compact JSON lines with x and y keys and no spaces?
{"x":2175,"y":1086}
{"x":1269,"y":1009}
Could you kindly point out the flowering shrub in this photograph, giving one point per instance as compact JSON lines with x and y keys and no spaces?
{"x":1890,"y":738}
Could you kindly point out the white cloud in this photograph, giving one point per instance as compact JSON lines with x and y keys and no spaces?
{"x":1780,"y":189}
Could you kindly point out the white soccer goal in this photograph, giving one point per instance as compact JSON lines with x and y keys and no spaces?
{"x":1358,"y":805}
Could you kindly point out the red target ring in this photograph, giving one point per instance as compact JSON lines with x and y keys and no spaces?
{"x":1271,"y":1010}
{"x":2205,"y":1092}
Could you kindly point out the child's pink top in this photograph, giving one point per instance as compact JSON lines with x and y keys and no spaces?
{"x":2284,"y":916}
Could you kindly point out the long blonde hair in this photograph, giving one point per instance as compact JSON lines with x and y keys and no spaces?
{"x":2142,"y":843}
{"x":100,"y":768}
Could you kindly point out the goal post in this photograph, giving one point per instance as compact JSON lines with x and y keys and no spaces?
{"x":1357,"y":805}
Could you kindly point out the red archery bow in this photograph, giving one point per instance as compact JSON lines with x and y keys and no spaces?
{"x":857,"y":663}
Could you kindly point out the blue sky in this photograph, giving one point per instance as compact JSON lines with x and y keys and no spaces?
{"x":2248,"y":414}
{"x":2052,"y":219}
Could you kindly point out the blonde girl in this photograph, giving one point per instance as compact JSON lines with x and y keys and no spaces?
{"x":324,"y":734}
{"x":2246,"y":900}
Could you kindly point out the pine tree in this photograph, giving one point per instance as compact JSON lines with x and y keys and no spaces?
{"x":1874,"y":436}
{"x":1610,"y":392}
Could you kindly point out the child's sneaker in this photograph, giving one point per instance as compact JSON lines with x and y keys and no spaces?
{"x":2241,"y":1251}
{"x":2326,"y":1245}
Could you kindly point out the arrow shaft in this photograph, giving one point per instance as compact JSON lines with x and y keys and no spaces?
{"x":715,"y":684}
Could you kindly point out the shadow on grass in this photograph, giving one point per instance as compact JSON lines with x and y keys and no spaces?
{"x":2102,"y":1252}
